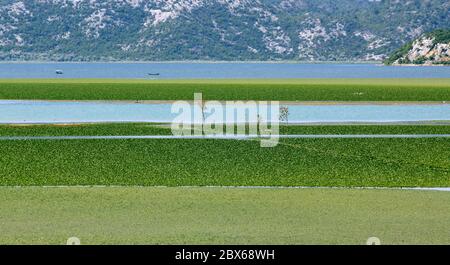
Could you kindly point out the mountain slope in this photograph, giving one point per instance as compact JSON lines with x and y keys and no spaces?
{"x":213,"y":29}
{"x":429,"y":49}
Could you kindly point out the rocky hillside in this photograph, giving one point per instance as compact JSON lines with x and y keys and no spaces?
{"x":79,"y":30}
{"x":430,"y":49}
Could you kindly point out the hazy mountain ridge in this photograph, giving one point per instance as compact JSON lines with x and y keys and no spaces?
{"x":213,"y":29}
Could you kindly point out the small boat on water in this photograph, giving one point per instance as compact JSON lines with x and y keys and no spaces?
{"x":59,"y":72}
{"x":153,"y":74}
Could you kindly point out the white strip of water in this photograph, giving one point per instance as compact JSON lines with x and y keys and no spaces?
{"x":23,"y":111}
{"x":447,"y":189}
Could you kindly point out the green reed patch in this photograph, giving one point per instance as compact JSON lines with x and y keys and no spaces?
{"x":178,"y":162}
{"x":95,"y":129}
{"x":256,"y":89}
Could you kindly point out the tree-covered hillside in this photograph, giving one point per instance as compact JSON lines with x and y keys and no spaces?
{"x":78,"y":30}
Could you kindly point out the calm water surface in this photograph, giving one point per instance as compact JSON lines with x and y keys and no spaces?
{"x":22,"y":111}
{"x":216,"y":70}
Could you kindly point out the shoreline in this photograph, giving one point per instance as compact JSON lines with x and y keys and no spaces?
{"x":419,"y":65}
{"x":194,"y":62}
{"x":303,"y":124}
{"x":306,"y":103}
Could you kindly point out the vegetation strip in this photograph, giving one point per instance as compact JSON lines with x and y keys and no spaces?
{"x":315,"y":162}
{"x":114,"y":129}
{"x":419,"y":162}
{"x":153,"y":215}
{"x":237,"y":137}
{"x":222,"y":89}
{"x":446,"y":189}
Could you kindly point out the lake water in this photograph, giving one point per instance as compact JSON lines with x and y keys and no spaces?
{"x":12,"y":111}
{"x":56,"y":112}
{"x":216,"y":70}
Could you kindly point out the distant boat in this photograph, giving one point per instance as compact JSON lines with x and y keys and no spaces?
{"x":153,"y":74}
{"x":59,"y":72}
